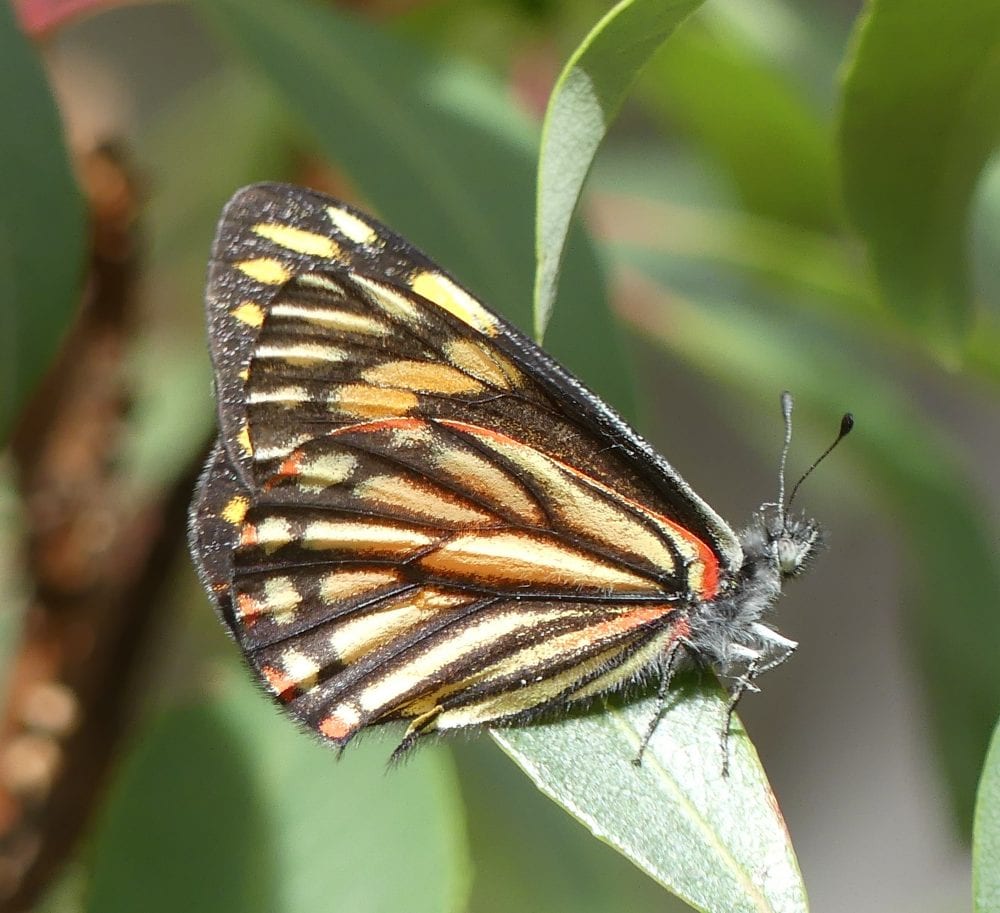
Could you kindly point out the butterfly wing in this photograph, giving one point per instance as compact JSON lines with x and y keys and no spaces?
{"x":413,"y":512}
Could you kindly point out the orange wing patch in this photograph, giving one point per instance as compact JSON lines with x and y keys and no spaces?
{"x":510,"y":560}
{"x":363,"y":401}
{"x":422,"y":377}
{"x":596,"y":511}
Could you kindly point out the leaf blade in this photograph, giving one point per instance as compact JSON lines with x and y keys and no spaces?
{"x":986,"y":834}
{"x":770,"y":137}
{"x":226,"y":792}
{"x":919,"y":122}
{"x":584,"y":102}
{"x":676,"y":816}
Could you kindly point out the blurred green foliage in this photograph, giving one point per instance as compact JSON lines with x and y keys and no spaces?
{"x":184,"y":827}
{"x":837,"y":218}
{"x":42,"y":228}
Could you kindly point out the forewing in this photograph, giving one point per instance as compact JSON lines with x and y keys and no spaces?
{"x":270,"y":233}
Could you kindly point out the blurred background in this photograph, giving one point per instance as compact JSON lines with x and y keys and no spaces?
{"x":797,"y":195}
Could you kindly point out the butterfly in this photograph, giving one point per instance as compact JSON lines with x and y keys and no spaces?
{"x":412,"y":513}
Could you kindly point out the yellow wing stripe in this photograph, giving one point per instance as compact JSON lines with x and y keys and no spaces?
{"x":390,"y":492}
{"x":488,"y":366}
{"x":298,"y":240}
{"x":358,"y":637}
{"x":298,"y":672}
{"x":332,"y":319}
{"x":362,"y":536}
{"x":390,"y":300}
{"x":265,"y":270}
{"x":315,"y":473}
{"x":351,"y":227}
{"x":339,"y":586}
{"x":385,"y":691}
{"x":279,"y":600}
{"x":302,"y":354}
{"x":455,"y":300}
{"x":250,"y":313}
{"x":362,"y":401}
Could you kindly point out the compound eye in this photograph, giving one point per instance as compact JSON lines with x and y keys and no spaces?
{"x":790,"y":554}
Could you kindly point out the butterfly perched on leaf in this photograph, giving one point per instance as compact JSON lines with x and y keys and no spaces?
{"x":413,"y":513}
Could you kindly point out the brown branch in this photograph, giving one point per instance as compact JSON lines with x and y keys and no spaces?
{"x":95,"y":558}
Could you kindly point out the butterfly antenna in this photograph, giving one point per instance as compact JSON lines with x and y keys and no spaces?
{"x":786,"y":412}
{"x":846,"y":424}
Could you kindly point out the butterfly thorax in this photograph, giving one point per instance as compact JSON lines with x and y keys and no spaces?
{"x":728,"y":633}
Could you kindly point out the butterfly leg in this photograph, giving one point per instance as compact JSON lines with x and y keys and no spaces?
{"x":661,"y":698}
{"x":418,"y":726}
{"x":742,"y":685}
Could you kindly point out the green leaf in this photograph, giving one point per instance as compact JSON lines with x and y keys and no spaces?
{"x":584,"y":102}
{"x":986,"y":834}
{"x":439,"y":151}
{"x":717,"y":842}
{"x":42,"y":233}
{"x":920,"y":118}
{"x":223,"y":806}
{"x":515,"y":831}
{"x":820,"y":271}
{"x":749,"y":115}
{"x":186,"y":801}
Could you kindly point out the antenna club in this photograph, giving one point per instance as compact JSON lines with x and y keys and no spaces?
{"x":846,"y":424}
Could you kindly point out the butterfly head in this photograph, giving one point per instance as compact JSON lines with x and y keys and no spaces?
{"x":777,"y":545}
{"x":729,"y":632}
